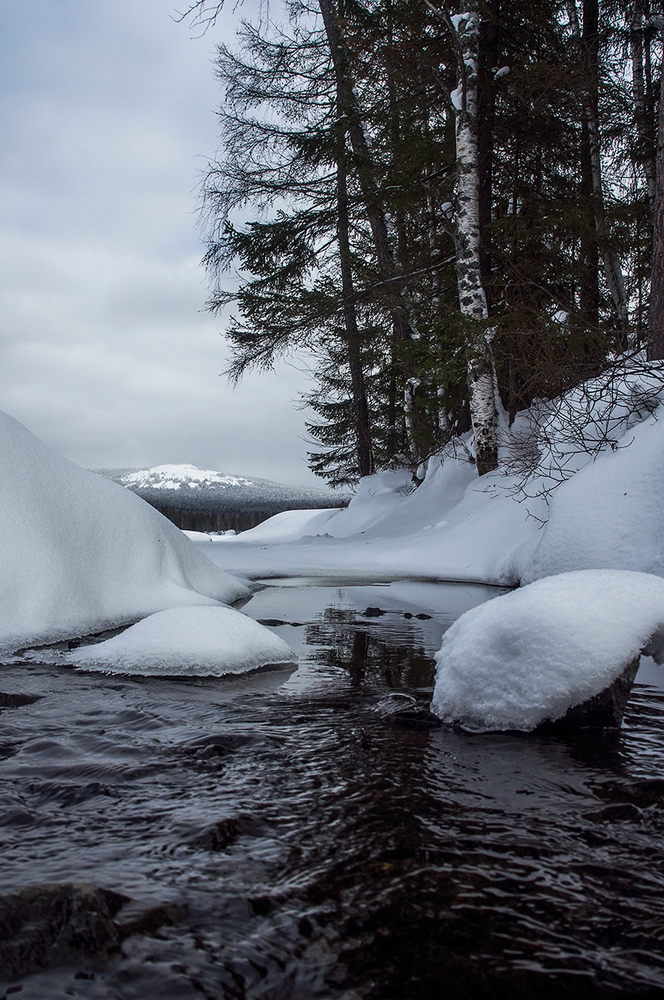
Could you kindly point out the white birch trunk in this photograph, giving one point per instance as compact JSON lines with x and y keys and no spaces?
{"x":472,"y":298}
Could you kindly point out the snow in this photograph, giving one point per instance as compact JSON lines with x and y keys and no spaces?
{"x":174,"y":477}
{"x":457,"y":19}
{"x":81,"y":553}
{"x":532,"y":654}
{"x":593,"y":501}
{"x":190,"y":641}
{"x":610,"y":515}
{"x":452,"y":527}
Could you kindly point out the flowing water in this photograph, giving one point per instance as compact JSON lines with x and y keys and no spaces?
{"x":305,"y":847}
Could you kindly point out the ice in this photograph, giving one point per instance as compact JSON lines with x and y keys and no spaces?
{"x":80,"y":553}
{"x":192,"y":642}
{"x":532,"y":654}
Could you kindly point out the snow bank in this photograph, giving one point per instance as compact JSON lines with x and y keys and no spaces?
{"x":80,"y":553}
{"x":532,"y":654}
{"x":193,"y":642}
{"x":610,"y":514}
{"x":453,"y":527}
{"x":589,"y":467}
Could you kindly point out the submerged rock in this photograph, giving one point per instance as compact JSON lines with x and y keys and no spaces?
{"x":603,"y":711}
{"x":55,"y":924}
{"x":407,"y":712}
{"x":17,"y":700}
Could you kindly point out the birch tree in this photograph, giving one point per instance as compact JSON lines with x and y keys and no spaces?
{"x":472,"y":297}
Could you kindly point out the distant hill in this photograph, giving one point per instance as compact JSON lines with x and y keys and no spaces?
{"x":205,"y":500}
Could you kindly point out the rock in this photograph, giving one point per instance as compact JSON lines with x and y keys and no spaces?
{"x":56,"y":924}
{"x":641,"y":792}
{"x":222,"y":744}
{"x":16,"y":700}
{"x":225,"y":832}
{"x":407,"y":712}
{"x":373,"y":613}
{"x":603,"y":711}
{"x":148,"y":921}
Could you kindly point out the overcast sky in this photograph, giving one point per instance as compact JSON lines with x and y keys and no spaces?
{"x":108,"y":119}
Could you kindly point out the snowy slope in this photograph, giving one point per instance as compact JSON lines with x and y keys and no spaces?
{"x":610,"y":515}
{"x":79,"y":553}
{"x":453,"y":527}
{"x":607,"y":513}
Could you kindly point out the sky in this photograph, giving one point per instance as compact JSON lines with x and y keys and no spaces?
{"x":107,"y":353}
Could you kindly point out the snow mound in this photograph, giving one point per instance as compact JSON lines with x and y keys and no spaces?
{"x":193,"y":642}
{"x":80,"y":553}
{"x":175,"y":477}
{"x":530,"y":655}
{"x":610,"y":514}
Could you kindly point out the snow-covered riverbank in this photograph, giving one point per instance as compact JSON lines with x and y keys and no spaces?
{"x":608,"y":515}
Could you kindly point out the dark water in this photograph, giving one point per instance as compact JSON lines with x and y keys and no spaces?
{"x":310,"y":849}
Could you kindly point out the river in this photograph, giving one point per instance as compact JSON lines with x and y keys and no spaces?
{"x":305,"y":847}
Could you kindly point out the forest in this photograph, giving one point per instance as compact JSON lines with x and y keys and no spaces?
{"x":455,"y":212}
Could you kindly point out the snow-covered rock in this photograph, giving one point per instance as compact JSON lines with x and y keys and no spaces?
{"x":80,"y":553}
{"x":193,"y":642}
{"x":531,"y":655}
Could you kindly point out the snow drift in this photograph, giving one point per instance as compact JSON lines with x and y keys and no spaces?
{"x":80,"y":553}
{"x":531,"y":655}
{"x":196,"y":642}
{"x":610,"y":514}
{"x":590,"y":499}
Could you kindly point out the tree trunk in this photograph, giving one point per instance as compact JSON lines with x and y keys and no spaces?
{"x":358,"y":387}
{"x":588,"y":43}
{"x":639,"y":98}
{"x":486,"y":113}
{"x":472,"y":298}
{"x":655,"y":349}
{"x":374,"y":211}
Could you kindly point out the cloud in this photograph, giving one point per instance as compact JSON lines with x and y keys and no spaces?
{"x":106,"y":353}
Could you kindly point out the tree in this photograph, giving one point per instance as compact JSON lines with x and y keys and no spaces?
{"x":428,"y":211}
{"x":656,"y":314}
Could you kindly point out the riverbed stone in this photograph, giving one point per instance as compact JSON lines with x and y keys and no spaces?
{"x":407,"y":712}
{"x":16,"y":700}
{"x":57,"y":923}
{"x":604,"y":710}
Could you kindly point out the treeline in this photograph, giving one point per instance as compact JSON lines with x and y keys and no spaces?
{"x":452,"y":211}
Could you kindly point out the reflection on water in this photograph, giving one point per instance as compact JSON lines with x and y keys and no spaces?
{"x":316,"y":851}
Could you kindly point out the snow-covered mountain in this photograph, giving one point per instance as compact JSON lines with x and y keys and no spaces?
{"x":176,"y":477}
{"x":207,"y":500}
